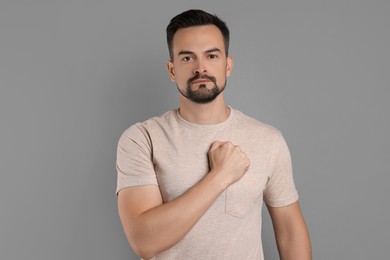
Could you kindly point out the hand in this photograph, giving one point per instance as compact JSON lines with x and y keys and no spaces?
{"x":227,"y":160}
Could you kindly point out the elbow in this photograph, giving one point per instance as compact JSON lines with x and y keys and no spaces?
{"x":143,"y":250}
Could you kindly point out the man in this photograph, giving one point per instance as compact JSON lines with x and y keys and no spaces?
{"x":191,"y":182}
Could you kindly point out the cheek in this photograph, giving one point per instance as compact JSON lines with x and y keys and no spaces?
{"x":181,"y":81}
{"x":221,"y":76}
{"x":181,"y":78}
{"x":181,"y":72}
{"x":183,"y":75}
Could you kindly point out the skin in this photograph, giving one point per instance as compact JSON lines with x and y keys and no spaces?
{"x":151,"y":226}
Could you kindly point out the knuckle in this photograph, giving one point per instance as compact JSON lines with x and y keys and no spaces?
{"x":248,"y":162}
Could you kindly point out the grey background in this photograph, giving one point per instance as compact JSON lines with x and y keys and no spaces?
{"x":75,"y":74}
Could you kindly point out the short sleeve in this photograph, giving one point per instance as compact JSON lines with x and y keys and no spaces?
{"x":280,"y":190}
{"x":134,"y":162}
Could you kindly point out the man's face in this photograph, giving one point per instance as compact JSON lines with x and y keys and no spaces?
{"x":199,"y":66}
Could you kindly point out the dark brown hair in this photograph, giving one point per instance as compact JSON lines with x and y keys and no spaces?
{"x":195,"y":17}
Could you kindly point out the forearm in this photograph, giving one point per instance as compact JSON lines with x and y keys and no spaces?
{"x":162,"y":227}
{"x":295,"y":244}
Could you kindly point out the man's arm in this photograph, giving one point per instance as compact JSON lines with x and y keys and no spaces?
{"x":292,"y":236}
{"x":151,"y":226}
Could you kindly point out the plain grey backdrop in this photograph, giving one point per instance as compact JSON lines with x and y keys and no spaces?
{"x":75,"y":74}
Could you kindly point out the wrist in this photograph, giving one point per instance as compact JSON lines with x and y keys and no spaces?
{"x":219,"y":181}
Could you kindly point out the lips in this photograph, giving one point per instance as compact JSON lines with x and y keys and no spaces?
{"x":201,"y":81}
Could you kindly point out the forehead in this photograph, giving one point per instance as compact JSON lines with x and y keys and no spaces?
{"x":198,"y":38}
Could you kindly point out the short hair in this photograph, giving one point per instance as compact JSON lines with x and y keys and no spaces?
{"x":195,"y":17}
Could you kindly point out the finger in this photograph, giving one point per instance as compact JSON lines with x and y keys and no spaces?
{"x":215,"y":145}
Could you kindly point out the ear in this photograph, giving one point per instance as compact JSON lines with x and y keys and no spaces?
{"x":171,"y":70}
{"x":229,"y":66}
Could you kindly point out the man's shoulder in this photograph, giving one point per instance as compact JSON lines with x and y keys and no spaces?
{"x":144,"y":127}
{"x":158,"y":120}
{"x":250,"y":123}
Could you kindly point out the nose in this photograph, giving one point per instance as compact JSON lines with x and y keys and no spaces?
{"x":200,"y":68}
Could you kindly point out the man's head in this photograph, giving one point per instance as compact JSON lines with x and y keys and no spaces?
{"x":195,"y":18}
{"x":198,"y":44}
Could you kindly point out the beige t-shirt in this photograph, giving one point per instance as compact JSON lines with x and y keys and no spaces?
{"x":171,"y":152}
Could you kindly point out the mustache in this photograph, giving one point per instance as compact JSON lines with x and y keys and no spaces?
{"x":201,"y":76}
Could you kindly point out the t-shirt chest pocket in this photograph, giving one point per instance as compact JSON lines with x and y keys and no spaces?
{"x":247,"y":193}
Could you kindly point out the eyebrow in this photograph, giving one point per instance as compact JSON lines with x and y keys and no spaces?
{"x":191,"y":52}
{"x":185,"y":52}
{"x":213,"y":50}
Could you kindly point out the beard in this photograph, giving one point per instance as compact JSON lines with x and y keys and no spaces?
{"x":202,"y":95}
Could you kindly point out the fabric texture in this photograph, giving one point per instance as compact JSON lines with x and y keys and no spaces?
{"x":171,"y":152}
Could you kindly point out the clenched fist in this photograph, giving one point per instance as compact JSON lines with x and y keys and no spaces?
{"x":227,"y":160}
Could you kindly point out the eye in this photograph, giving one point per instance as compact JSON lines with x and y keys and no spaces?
{"x":213,"y":56}
{"x":187,"y":58}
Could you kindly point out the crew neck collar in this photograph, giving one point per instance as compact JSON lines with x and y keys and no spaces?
{"x":205,"y":127}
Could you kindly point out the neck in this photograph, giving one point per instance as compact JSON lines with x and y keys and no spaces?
{"x":211,"y":113}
